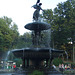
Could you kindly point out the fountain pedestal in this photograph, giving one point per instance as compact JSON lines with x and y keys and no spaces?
{"x":36,"y":28}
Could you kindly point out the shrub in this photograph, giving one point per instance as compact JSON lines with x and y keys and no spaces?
{"x":36,"y":72}
{"x":57,"y":61}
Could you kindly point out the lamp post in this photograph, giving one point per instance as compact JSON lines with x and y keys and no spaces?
{"x":73,"y":48}
{"x":73,"y":53}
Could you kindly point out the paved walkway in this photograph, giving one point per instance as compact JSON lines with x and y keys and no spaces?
{"x":49,"y":72}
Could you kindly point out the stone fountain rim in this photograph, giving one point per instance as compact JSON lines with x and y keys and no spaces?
{"x":31,"y":49}
{"x":37,"y":49}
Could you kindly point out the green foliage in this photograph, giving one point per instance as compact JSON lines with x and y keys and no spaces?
{"x":57,"y":61}
{"x":8,"y":33}
{"x":47,"y":15}
{"x":62,"y":24}
{"x":36,"y":72}
{"x":18,"y":61}
{"x":24,"y":41}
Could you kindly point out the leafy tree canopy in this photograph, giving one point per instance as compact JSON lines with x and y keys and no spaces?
{"x":8,"y":33}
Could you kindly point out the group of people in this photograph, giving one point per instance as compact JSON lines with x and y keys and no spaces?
{"x":62,"y":67}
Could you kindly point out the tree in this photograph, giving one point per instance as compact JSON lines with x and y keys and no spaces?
{"x":62,"y":24}
{"x":47,"y":16}
{"x":24,"y":40}
{"x":66,"y":14}
{"x":7,"y":33}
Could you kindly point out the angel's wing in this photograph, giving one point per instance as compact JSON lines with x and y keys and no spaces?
{"x":37,"y":1}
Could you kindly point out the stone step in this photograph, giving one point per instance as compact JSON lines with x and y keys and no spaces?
{"x":53,"y":72}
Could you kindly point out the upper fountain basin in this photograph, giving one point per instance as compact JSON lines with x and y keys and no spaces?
{"x":37,"y":26}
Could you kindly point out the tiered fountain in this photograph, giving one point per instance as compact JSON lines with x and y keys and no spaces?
{"x":36,"y":55}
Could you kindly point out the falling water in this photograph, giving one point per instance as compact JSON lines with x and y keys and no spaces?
{"x":49,"y":37}
{"x":7,"y":55}
{"x":66,"y":54}
{"x":6,"y":58}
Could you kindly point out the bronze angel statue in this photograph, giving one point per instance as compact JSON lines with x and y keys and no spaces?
{"x":37,"y":6}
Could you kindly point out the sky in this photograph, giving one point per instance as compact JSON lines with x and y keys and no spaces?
{"x":21,"y":11}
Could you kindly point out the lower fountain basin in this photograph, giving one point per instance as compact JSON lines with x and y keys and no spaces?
{"x":32,"y":53}
{"x":36,"y":53}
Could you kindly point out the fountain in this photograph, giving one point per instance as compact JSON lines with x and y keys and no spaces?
{"x":36,"y":57}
